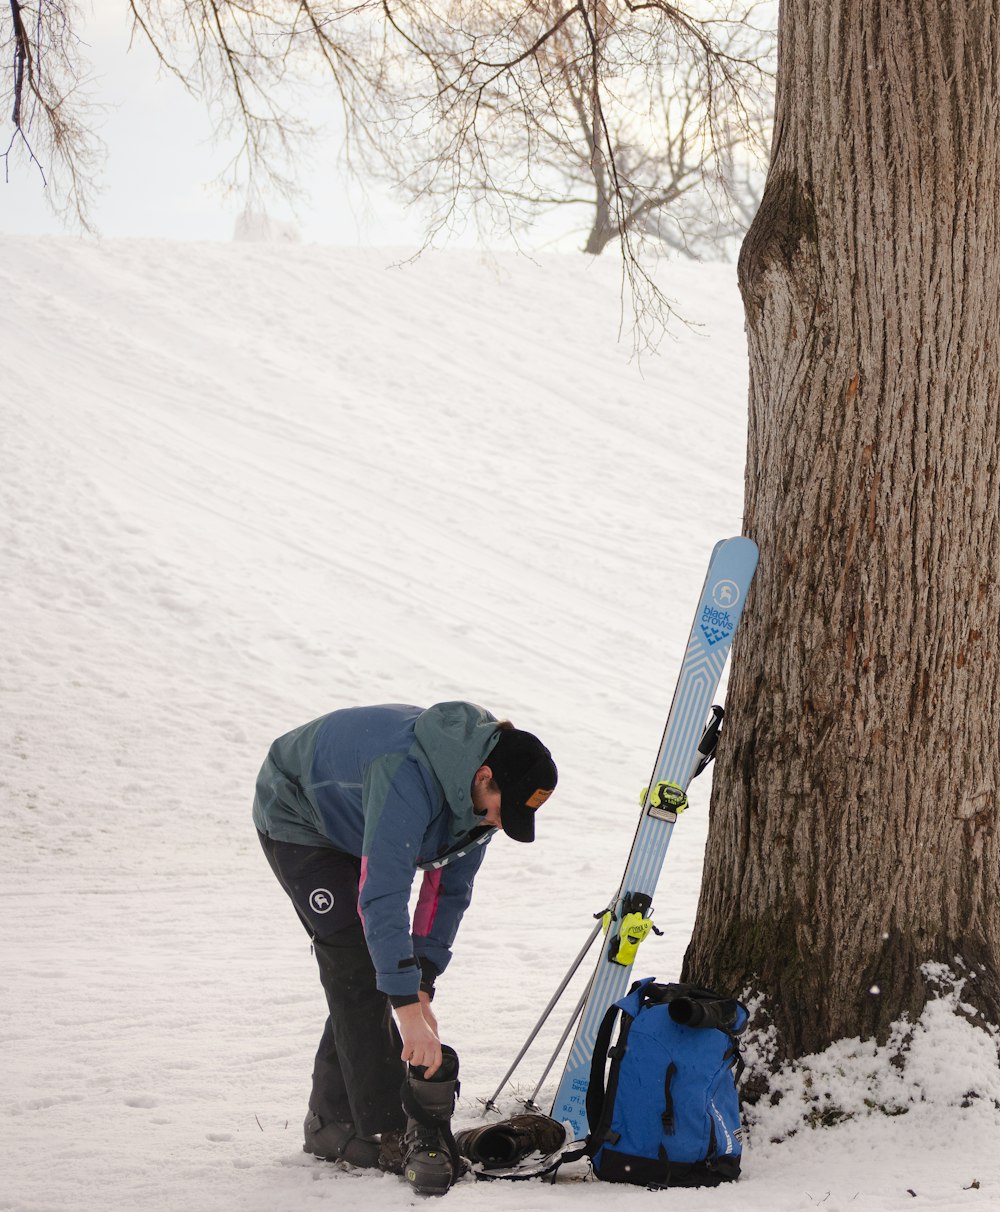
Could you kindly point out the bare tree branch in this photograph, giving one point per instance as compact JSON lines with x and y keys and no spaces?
{"x":485,"y":110}
{"x":51,"y":117}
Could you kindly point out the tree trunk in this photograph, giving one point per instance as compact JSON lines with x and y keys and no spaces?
{"x":604,"y":228}
{"x":853,"y":834}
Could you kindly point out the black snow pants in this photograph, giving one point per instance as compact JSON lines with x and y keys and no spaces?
{"x":358,"y":1073}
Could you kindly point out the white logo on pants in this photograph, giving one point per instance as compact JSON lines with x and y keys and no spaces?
{"x":321,"y":901}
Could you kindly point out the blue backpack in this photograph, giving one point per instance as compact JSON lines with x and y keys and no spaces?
{"x":667,"y":1112}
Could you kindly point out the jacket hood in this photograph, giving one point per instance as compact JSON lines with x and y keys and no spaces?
{"x":456,"y":738}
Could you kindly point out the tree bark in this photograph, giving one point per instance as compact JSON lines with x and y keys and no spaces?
{"x":854,"y":820}
{"x":605,"y":227}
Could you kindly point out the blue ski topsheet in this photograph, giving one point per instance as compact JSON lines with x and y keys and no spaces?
{"x":729,"y":575}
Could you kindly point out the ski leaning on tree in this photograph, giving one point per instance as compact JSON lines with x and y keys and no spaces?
{"x":680,"y":757}
{"x":348,"y":809}
{"x":675,"y":1141}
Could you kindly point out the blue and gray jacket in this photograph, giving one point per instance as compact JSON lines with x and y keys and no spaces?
{"x":392,"y":785}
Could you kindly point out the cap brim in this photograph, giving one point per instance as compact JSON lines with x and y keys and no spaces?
{"x":518,"y":822}
{"x":522,"y":792}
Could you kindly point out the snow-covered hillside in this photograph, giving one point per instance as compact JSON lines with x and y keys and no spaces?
{"x":243,"y":485}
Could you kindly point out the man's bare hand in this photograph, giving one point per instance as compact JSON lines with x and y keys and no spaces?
{"x":418,"y":1027}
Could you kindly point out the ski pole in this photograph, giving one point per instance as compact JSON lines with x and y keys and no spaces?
{"x":531,"y":1105}
{"x":491,"y":1102}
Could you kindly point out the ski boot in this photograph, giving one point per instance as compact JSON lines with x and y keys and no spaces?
{"x":431,"y":1162}
{"x":339,"y":1141}
{"x":500,"y":1145}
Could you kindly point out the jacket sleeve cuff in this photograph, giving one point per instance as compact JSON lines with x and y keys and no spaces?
{"x":403,"y":999}
{"x":401,"y":983}
{"x":429,"y":972}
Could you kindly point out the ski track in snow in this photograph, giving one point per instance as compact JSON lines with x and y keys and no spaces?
{"x":244,"y":485}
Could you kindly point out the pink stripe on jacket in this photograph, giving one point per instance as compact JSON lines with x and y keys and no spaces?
{"x":427,"y":903}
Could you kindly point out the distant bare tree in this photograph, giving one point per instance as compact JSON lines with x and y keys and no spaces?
{"x":633,"y":112}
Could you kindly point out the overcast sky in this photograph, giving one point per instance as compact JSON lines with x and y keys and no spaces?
{"x":160,"y":175}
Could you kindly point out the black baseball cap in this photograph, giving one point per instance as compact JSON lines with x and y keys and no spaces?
{"x":526,"y":775}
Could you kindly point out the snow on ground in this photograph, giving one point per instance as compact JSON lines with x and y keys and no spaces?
{"x":243,"y":485}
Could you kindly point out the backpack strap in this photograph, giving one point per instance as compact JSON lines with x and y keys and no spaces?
{"x":667,"y":1118}
{"x":601,"y":1096}
{"x":598,"y":1093}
